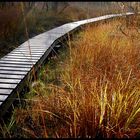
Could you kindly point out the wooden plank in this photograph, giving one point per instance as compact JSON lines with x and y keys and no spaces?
{"x":37,"y":45}
{"x":41,"y":41}
{"x":42,"y":44}
{"x":16,"y":62}
{"x":14,"y":68}
{"x":22,"y":57}
{"x":47,"y":36}
{"x":15,"y":65}
{"x":61,"y":30}
{"x":24,"y":53}
{"x":11,"y":76}
{"x":13,"y":72}
{"x":20,"y":60}
{"x":12,"y":81}
{"x":5,"y":91}
{"x":42,"y":47}
{"x":50,"y":32}
{"x":7,"y":86}
{"x":32,"y":49}
{"x":45,"y":39}
{"x":27,"y":51}
{"x":3,"y":97}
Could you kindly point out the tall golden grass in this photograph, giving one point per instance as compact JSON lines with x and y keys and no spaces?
{"x":99,"y":91}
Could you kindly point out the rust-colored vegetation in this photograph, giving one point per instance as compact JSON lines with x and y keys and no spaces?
{"x":98,"y":95}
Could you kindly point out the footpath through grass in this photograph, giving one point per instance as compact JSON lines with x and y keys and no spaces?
{"x":13,"y":28}
{"x":91,"y":90}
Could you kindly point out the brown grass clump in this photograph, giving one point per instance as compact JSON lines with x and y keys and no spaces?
{"x":99,"y":95}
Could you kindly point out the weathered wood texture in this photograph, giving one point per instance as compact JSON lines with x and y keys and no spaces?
{"x":17,"y":65}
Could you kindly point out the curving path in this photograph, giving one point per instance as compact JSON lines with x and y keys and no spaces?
{"x":17,"y":66}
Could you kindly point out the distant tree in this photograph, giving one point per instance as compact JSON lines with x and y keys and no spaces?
{"x":55,"y":6}
{"x":64,"y":5}
{"x":28,"y":5}
{"x":45,"y":6}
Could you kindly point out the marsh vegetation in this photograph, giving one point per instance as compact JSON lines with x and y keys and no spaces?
{"x":90,"y":89}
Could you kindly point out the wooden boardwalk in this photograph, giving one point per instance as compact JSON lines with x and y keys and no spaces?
{"x":17,"y":65}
